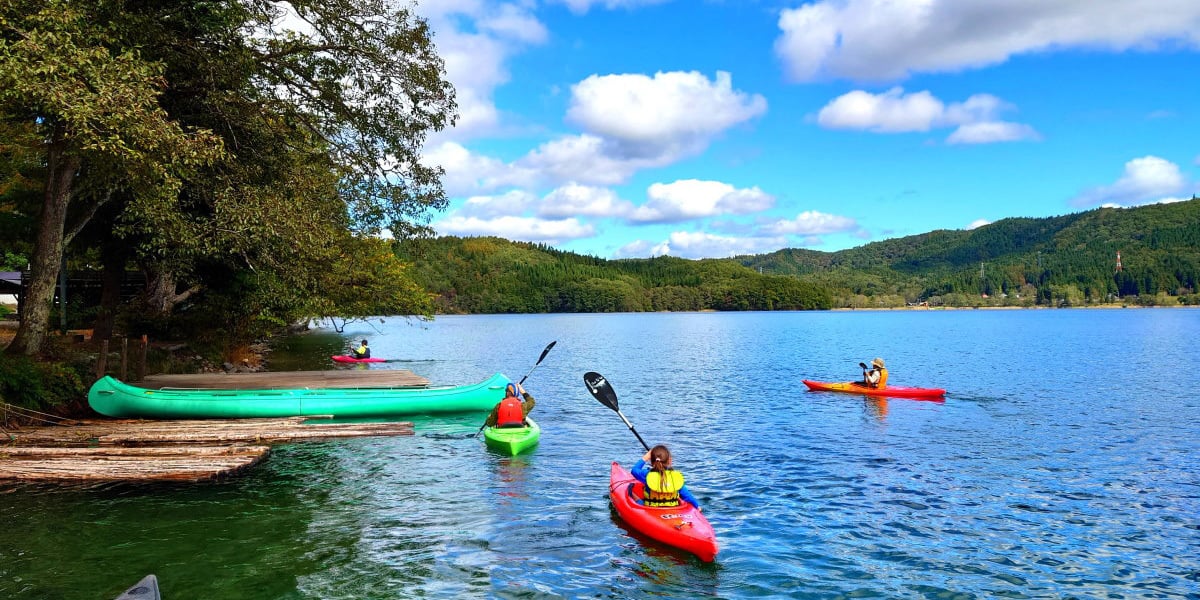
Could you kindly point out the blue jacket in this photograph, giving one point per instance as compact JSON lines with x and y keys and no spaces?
{"x":641,"y":469}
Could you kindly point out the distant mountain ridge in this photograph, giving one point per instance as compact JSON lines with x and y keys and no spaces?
{"x":1068,"y":260}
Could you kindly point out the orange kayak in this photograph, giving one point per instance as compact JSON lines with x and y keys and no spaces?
{"x":854,"y":387}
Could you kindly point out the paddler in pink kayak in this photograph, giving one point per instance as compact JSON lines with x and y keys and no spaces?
{"x":663,"y":485}
{"x":361,"y":352}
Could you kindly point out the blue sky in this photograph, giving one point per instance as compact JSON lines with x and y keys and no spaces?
{"x":635,"y":128}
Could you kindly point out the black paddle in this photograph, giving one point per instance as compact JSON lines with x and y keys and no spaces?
{"x":602,"y":391}
{"x":535,"y":365}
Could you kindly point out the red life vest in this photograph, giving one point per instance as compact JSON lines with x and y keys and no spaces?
{"x":510,"y":413}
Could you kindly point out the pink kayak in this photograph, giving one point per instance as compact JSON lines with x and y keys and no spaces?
{"x":342,"y":358}
{"x":680,"y":526}
{"x":855,"y":387}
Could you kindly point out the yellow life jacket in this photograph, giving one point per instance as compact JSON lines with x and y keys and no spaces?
{"x":662,"y":489}
{"x":882,"y":379}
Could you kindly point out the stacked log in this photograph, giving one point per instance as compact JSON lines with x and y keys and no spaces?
{"x":175,"y":450}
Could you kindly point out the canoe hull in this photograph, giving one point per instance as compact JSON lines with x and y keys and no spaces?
{"x":680,"y":526}
{"x":895,"y":391}
{"x":113,"y":398}
{"x":342,"y":358}
{"x":513,"y":440}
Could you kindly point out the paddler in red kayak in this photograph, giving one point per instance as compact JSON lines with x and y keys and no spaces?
{"x":663,"y":485}
{"x":511,"y":411}
{"x":361,"y":352}
{"x":875,"y":377}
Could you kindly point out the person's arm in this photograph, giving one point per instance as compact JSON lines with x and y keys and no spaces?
{"x":528,"y":404}
{"x":493,"y":417}
{"x":640,"y":470}
{"x":688,"y":496}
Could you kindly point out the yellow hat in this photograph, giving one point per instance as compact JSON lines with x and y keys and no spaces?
{"x":878,"y":362}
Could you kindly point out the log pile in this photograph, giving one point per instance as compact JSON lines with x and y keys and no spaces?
{"x":192,"y":450}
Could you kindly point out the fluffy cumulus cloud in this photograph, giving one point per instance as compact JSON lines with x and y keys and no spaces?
{"x":977,"y":223}
{"x":686,"y":244}
{"x":976,"y":119}
{"x":574,"y":200}
{"x":529,"y":229}
{"x":890,"y":39}
{"x":582,"y":6}
{"x":511,"y":203}
{"x":1146,"y":180}
{"x":690,"y":199}
{"x":671,"y":115}
{"x":476,"y":39}
{"x":810,"y":223}
{"x":467,"y":172}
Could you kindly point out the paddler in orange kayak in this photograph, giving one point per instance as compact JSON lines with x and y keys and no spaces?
{"x":875,"y":377}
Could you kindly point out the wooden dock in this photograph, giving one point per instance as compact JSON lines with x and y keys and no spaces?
{"x":119,"y":449}
{"x":340,"y":378}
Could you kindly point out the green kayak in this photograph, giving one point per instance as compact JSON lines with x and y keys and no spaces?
{"x":513,"y":440}
{"x":116,"y":399}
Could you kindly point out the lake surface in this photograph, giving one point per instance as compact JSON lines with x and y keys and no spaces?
{"x":1062,"y":463}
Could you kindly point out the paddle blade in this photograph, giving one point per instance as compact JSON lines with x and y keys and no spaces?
{"x":600,"y":389}
{"x":545,"y":352}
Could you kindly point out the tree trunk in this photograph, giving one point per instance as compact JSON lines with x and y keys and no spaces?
{"x":47,"y":250}
{"x":114,"y":258}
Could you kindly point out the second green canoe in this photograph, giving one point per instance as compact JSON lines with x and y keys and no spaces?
{"x":513,"y":440}
{"x":113,"y":398}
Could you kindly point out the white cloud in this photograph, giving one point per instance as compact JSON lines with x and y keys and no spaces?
{"x":991,"y":132}
{"x":471,"y":173}
{"x":694,"y":199}
{"x":894,"y":111}
{"x":890,"y":39}
{"x":977,"y":223}
{"x":810,"y":223}
{"x":686,"y":244}
{"x":475,"y":39}
{"x":582,"y":6}
{"x":583,"y":201}
{"x":528,"y":229}
{"x":1146,"y":180}
{"x":513,"y":202}
{"x":586,"y":159}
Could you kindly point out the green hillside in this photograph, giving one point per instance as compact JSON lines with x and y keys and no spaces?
{"x":1068,"y":260}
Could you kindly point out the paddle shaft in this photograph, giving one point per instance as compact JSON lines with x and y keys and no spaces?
{"x":630,"y":426}
{"x":600,"y":389}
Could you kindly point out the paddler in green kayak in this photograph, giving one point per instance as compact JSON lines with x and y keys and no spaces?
{"x":663,"y":485}
{"x":511,"y":411}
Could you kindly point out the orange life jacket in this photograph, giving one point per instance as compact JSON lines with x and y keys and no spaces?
{"x":510,"y":413}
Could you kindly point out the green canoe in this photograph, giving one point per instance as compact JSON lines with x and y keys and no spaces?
{"x":512,"y":440}
{"x":116,"y":399}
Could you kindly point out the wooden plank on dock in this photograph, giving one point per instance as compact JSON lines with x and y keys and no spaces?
{"x":130,"y":432}
{"x":121,"y":464}
{"x":341,"y":378}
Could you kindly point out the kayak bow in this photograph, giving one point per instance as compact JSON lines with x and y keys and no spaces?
{"x":682,"y":526}
{"x":512,"y":440}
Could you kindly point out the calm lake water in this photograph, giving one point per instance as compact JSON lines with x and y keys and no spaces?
{"x":1063,"y":463}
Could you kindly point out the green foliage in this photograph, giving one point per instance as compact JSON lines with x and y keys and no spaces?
{"x":493,"y":275}
{"x":39,"y":385}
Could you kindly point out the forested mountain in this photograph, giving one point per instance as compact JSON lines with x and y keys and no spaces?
{"x":494,"y":275}
{"x":1064,"y":260}
{"x":1069,"y":260}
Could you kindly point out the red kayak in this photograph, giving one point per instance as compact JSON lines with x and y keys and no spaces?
{"x":342,"y":358}
{"x":680,"y":526}
{"x":854,"y":387}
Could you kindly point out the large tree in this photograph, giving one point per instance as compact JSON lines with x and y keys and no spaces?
{"x":319,"y":108}
{"x":64,"y":70}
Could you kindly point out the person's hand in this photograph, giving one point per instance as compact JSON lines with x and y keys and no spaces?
{"x":646,"y":456}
